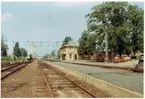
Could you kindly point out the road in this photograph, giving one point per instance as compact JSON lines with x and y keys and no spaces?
{"x":122,"y":78}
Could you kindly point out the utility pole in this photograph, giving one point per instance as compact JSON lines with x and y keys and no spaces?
{"x":106,"y":46}
{"x":96,"y":51}
{"x":106,"y":41}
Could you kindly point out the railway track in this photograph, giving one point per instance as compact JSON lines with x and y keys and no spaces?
{"x":56,"y":84}
{"x":8,"y":70}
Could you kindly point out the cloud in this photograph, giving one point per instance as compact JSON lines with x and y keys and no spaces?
{"x":6,"y":16}
{"x":70,"y":4}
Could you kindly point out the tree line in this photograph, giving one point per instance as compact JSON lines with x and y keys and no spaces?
{"x":17,"y":51}
{"x":123,"y":23}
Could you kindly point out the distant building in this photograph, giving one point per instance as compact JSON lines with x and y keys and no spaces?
{"x":69,"y":51}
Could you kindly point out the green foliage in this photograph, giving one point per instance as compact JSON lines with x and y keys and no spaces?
{"x":17,"y":51}
{"x":67,"y":40}
{"x":12,"y":59}
{"x":135,"y":15}
{"x":58,"y":53}
{"x":31,"y":56}
{"x":23,"y":52}
{"x":82,"y":50}
{"x":53,"y":53}
{"x":20,"y":59}
{"x":4,"y":47}
{"x":7,"y":58}
{"x":123,"y":24}
{"x":87,"y":44}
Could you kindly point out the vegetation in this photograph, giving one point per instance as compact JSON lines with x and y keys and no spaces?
{"x":53,"y":53}
{"x":6,"y":59}
{"x":122,"y":22}
{"x":17,"y":51}
{"x":46,"y":56}
{"x":67,"y":40}
{"x":23,"y":52}
{"x":58,"y":54}
{"x":87,"y":44}
{"x":30,"y":56}
{"x":4,"y":47}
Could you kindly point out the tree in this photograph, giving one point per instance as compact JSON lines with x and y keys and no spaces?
{"x":135,"y":15}
{"x":67,"y":40}
{"x":58,"y":53}
{"x":82,"y":50}
{"x":46,"y":56}
{"x":23,"y":52}
{"x":4,"y":47}
{"x":87,"y":44}
{"x":53,"y":53}
{"x":16,"y":50}
{"x":31,"y":56}
{"x":117,"y":20}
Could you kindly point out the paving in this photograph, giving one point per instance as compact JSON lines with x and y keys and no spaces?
{"x":131,"y":63}
{"x":122,"y":78}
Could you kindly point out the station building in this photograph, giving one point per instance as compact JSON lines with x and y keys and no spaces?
{"x":69,"y":51}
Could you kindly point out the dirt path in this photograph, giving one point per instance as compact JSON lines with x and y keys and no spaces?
{"x":20,"y":84}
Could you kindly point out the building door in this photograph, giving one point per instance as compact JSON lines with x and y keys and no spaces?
{"x":75,"y":56}
{"x":63,"y":56}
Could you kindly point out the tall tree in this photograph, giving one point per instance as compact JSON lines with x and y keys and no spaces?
{"x":67,"y":40}
{"x":4,"y":47}
{"x":82,"y":50}
{"x":16,"y":50}
{"x":116,"y":19}
{"x":87,"y":44}
{"x":135,"y":14}
{"x":23,"y":52}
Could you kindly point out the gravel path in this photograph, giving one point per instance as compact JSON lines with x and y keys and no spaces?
{"x":126,"y":79}
{"x":21,"y":83}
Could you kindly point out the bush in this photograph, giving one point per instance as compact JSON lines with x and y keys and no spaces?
{"x":15,"y":59}
{"x":7,"y":58}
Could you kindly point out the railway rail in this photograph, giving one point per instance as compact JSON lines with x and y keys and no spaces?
{"x":58,"y":84}
{"x":8,"y":70}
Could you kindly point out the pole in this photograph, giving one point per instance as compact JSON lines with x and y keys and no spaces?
{"x":22,"y":54}
{"x":96,"y":52}
{"x":106,"y":46}
{"x":13,"y":48}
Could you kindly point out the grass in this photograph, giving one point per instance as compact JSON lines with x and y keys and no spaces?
{"x":10,"y":59}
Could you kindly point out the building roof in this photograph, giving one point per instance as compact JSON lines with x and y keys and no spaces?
{"x":71,"y":44}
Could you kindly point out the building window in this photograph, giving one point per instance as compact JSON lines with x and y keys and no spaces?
{"x":70,"y":55}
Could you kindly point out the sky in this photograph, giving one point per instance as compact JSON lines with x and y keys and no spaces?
{"x":44,"y":21}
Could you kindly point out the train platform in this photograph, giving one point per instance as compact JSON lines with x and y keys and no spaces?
{"x":130,"y":64}
{"x":122,"y":78}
